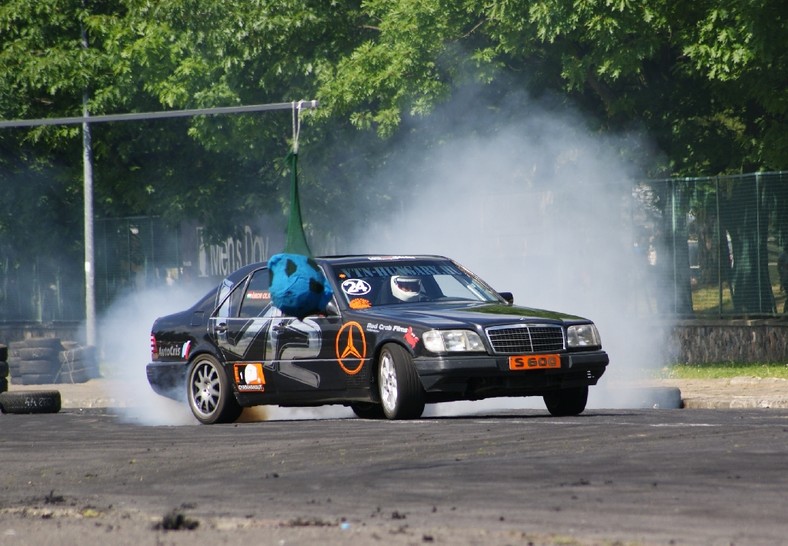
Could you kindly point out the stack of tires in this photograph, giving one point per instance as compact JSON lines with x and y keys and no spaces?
{"x":3,"y":368}
{"x":34,"y":361}
{"x":78,"y":364}
{"x":40,"y":361}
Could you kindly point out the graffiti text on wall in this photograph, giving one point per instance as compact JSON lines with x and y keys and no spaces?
{"x":219,"y":260}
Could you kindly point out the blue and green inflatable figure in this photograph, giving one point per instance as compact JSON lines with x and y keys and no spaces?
{"x":298,"y":286}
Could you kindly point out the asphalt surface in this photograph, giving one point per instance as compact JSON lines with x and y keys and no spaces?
{"x":636,"y":477}
{"x":117,"y":465}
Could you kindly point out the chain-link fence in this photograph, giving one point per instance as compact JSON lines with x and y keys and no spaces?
{"x":712,"y":247}
{"x":133,"y":254}
{"x":719,"y":243}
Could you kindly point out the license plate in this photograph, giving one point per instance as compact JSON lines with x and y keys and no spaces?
{"x":534,"y":362}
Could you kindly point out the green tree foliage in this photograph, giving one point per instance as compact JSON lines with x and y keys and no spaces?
{"x":706,"y":80}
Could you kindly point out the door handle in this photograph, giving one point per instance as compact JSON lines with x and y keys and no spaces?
{"x":221,"y":328}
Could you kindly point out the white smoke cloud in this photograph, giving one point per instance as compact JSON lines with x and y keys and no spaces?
{"x":542,"y":208}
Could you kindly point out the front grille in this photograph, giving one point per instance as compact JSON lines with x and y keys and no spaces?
{"x":526,"y":338}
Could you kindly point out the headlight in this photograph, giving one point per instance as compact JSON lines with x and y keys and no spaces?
{"x":445,"y":341}
{"x":582,"y":335}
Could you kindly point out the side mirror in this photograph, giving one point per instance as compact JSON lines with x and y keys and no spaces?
{"x":331,"y":308}
{"x":508,"y":296}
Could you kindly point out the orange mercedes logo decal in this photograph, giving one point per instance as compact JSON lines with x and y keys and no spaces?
{"x":351,"y":347}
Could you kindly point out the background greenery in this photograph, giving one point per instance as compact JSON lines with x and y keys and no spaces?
{"x":706,"y":80}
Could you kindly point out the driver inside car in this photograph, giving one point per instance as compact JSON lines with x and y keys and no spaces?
{"x":407,"y":289}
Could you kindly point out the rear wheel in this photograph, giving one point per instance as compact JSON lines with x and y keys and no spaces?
{"x":401,"y":392}
{"x":210,"y":394}
{"x":567,"y":402}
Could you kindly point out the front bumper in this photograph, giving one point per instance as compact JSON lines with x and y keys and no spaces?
{"x":447,"y":378}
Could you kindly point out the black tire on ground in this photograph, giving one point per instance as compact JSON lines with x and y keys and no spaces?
{"x":27,"y":367}
{"x":3,"y":384}
{"x":567,"y":402}
{"x":367,"y":410}
{"x":3,"y":353}
{"x":401,"y":392}
{"x":30,"y":402}
{"x":4,"y":369}
{"x":209,"y":393}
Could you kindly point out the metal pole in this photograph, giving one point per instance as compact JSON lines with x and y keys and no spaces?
{"x":87,"y":168}
{"x":138,"y":116}
{"x":90,"y":294}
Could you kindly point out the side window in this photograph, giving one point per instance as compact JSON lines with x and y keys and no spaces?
{"x":257,"y":297}
{"x":230,"y":306}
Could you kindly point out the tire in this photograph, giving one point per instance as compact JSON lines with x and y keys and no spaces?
{"x":209,"y":393}
{"x":3,"y":353}
{"x":401,"y":392}
{"x":74,"y":376}
{"x":38,"y":367}
{"x":3,"y":384}
{"x":367,"y":410}
{"x":36,"y":379}
{"x":87,"y":354}
{"x":37,"y":353}
{"x":4,"y":369}
{"x":30,"y":402}
{"x":43,"y":343}
{"x":567,"y":402}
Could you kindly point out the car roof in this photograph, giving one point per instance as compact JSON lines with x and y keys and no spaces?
{"x":344,"y":259}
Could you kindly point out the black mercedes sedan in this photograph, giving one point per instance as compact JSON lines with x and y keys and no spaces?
{"x":399,"y":332}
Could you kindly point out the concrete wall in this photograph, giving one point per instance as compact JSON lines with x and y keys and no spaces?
{"x":702,"y":341}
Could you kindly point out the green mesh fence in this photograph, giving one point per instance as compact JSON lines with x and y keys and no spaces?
{"x":719,"y":242}
{"x":714,"y":245}
{"x":133,"y":254}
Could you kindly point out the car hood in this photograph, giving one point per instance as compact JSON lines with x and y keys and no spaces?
{"x":453,"y":315}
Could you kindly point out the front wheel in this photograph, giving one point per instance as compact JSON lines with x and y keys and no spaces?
{"x":567,"y":402}
{"x":367,"y":410}
{"x":401,"y":392}
{"x":209,"y":392}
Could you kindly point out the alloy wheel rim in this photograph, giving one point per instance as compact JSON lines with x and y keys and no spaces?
{"x":388,"y":382}
{"x":205,"y":388}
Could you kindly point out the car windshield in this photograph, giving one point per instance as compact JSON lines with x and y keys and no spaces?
{"x":374,"y":282}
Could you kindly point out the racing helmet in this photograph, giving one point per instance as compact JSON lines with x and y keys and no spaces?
{"x":406,"y":288}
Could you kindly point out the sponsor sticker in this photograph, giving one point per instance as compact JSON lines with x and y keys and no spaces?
{"x":360,"y":303}
{"x":258,"y":295}
{"x":169,"y":350}
{"x":356,"y":287}
{"x":351,"y":347}
{"x":411,"y":338}
{"x":249,"y":377}
{"x":380,"y":327}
